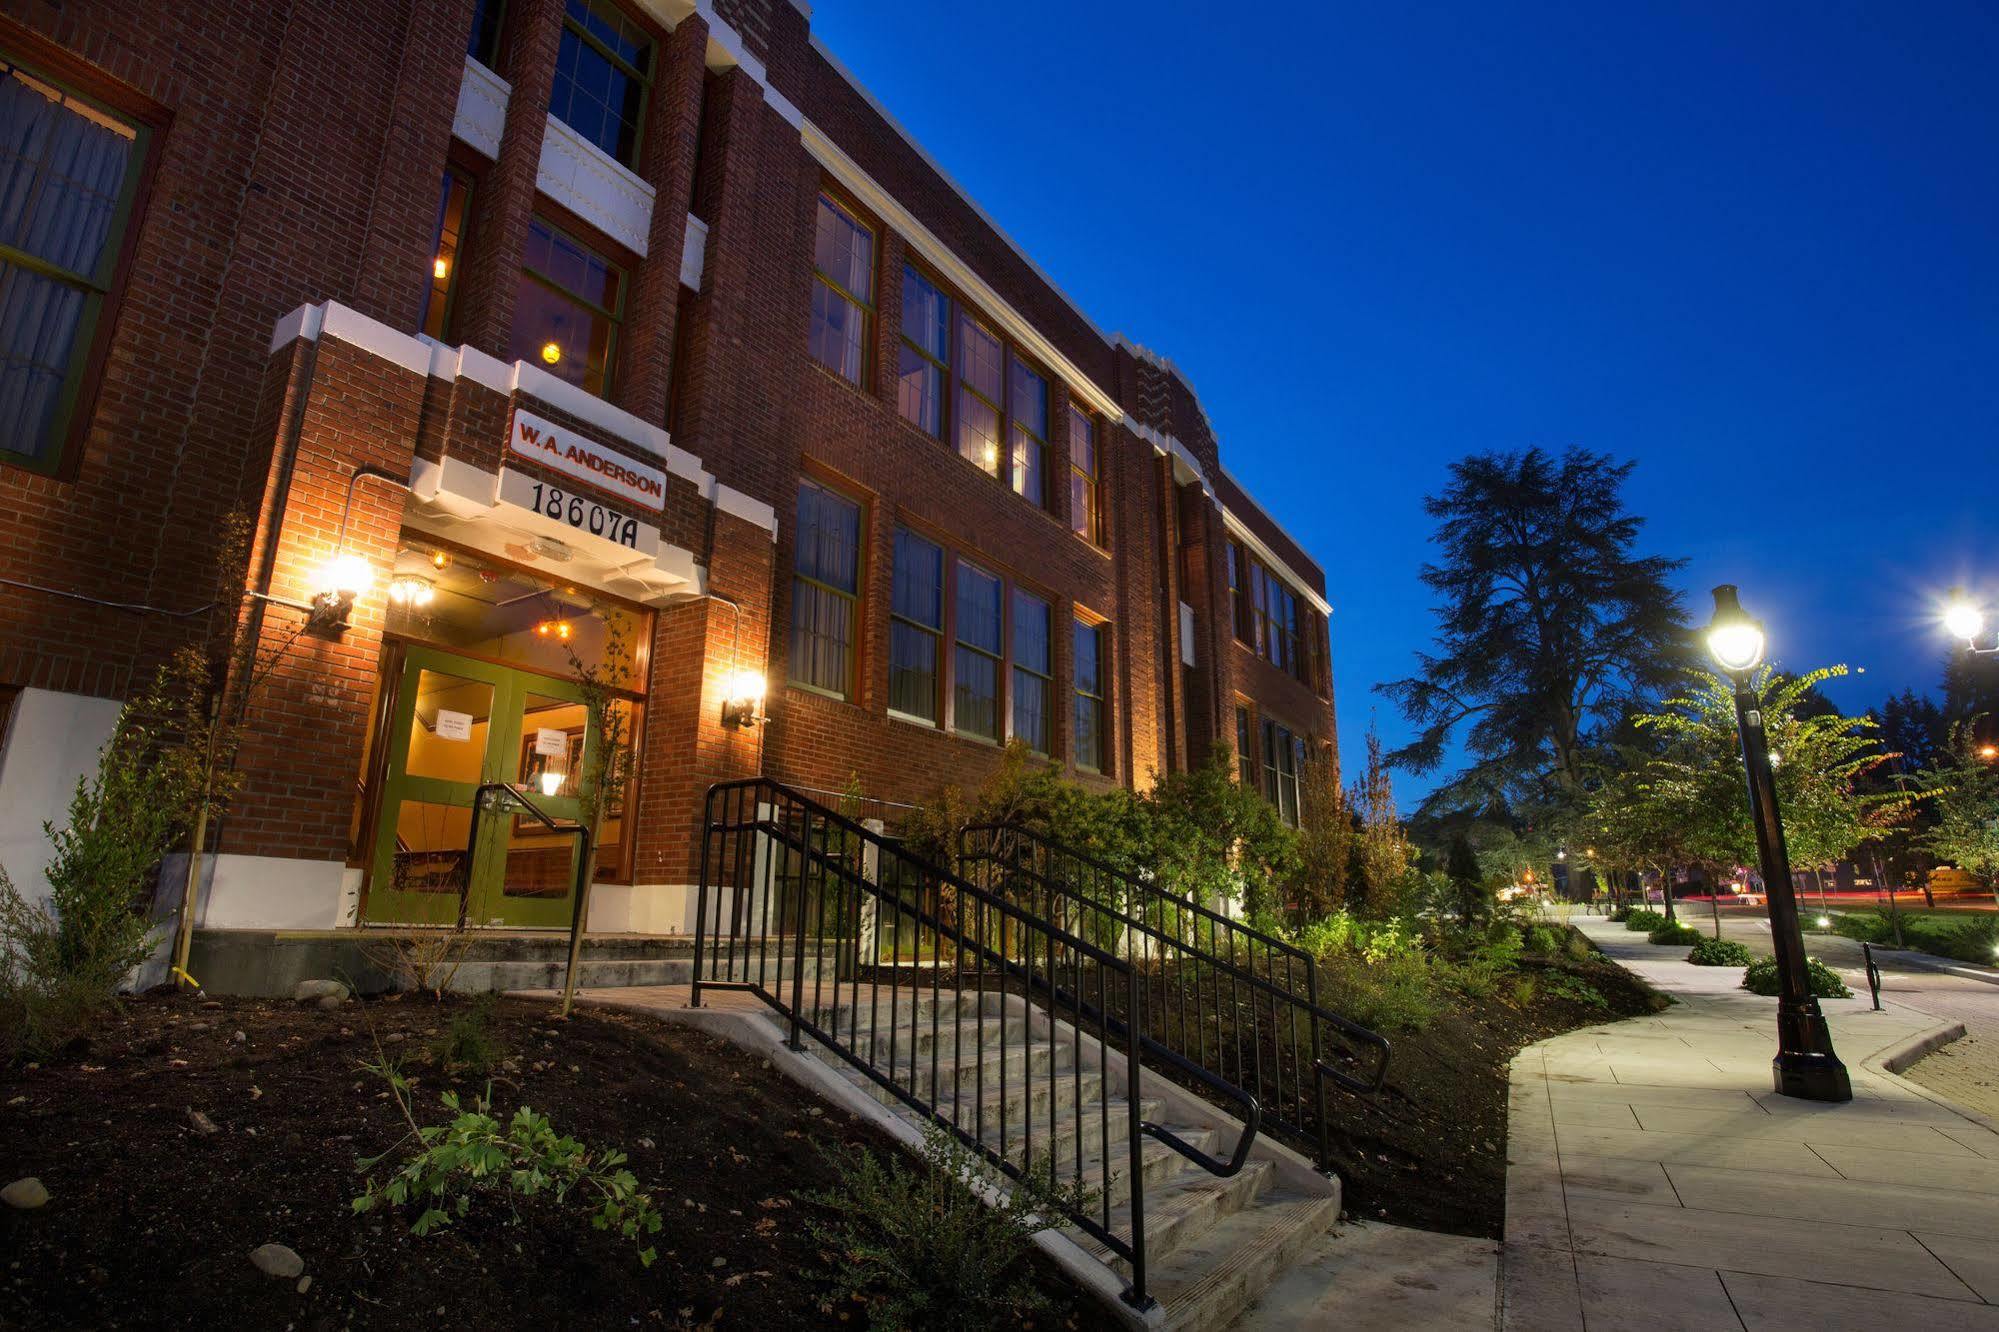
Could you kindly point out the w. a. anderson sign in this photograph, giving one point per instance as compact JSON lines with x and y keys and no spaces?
{"x":572,"y":454}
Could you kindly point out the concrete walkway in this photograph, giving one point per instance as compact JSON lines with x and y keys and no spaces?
{"x":1655,"y":1181}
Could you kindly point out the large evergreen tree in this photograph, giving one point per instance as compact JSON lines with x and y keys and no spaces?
{"x":1552,"y":627}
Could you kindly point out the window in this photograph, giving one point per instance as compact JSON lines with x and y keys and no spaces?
{"x":1281,"y":750}
{"x":1033,"y":671}
{"x":484,"y":45}
{"x":1085,"y":511}
{"x":566,"y":315}
{"x":601,"y":73}
{"x":454,"y":210}
{"x":981,"y":364}
{"x":1091,"y":743}
{"x":1027,"y":393}
{"x":915,"y":627}
{"x":1244,"y":760}
{"x":69,"y":172}
{"x":976,"y":667}
{"x":843,"y":291}
{"x":926,"y":353}
{"x":1265,"y":613}
{"x":824,"y":589}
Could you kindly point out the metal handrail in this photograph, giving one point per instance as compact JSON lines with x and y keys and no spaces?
{"x":1149,"y":895}
{"x":740,"y":839}
{"x":579,"y":909}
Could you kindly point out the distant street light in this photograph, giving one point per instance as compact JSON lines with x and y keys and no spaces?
{"x":1805,"y":1065}
{"x":1963,"y":618}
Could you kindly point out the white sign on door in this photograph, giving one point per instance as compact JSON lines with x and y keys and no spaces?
{"x":551,"y":743}
{"x":453,"y":725}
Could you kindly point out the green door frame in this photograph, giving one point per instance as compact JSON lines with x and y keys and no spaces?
{"x":484,"y":896}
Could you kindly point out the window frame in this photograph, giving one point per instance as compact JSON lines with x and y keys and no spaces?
{"x":1090,"y":524}
{"x":1081,"y":621}
{"x":1002,"y":659}
{"x":616,"y":316}
{"x":1267,"y":615}
{"x":945,"y":416}
{"x":461,"y":245}
{"x":940,"y":690}
{"x":1015,"y":668}
{"x":497,"y":33}
{"x":1282,"y":777}
{"x":104,"y":288}
{"x":644,"y":78}
{"x":830,"y":198}
{"x":1245,"y":732}
{"x":856,"y":599}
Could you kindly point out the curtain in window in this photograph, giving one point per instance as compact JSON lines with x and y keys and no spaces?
{"x":976,"y":692}
{"x":1033,"y":669}
{"x":916,"y":621}
{"x":826,"y":565}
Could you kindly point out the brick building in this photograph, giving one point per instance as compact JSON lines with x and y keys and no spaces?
{"x":628,"y":339}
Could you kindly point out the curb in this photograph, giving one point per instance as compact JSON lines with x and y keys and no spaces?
{"x":1894,"y":1058}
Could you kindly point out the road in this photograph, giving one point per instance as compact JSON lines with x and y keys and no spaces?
{"x":1967,"y":1071}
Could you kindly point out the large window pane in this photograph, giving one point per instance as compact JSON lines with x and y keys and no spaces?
{"x":976,"y":694}
{"x":601,"y":71}
{"x":1091,"y":744}
{"x":825,"y":584}
{"x":1033,"y":671}
{"x":979,"y":431}
{"x":925,"y":352}
{"x":915,"y":625}
{"x":447,"y":244}
{"x":566,"y":313}
{"x":1084,"y":507}
{"x":843,"y":291}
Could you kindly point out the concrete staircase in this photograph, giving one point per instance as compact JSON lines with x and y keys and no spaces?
{"x":1212,"y":1244}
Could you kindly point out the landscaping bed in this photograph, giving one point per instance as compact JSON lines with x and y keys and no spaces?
{"x":153,"y":1215}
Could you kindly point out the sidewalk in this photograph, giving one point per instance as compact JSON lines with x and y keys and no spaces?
{"x":1655,"y":1180}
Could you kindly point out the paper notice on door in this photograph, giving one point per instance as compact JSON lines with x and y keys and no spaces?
{"x":551,"y":743}
{"x":453,"y":725}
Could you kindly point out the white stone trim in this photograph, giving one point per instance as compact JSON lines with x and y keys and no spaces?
{"x":694,"y":253}
{"x":954,"y":270}
{"x":425,"y":356}
{"x":1265,"y":513}
{"x":1276,"y":562}
{"x":482,"y":108}
{"x":268,"y":892}
{"x":595,"y":186}
{"x":53,"y":740}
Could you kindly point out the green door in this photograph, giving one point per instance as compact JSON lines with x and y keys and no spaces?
{"x":459,"y":723}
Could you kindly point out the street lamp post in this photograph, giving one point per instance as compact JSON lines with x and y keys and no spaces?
{"x":1805,"y":1066}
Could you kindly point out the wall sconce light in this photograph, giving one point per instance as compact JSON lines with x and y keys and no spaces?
{"x":344,"y":579}
{"x":440,"y":267}
{"x":742,"y":699}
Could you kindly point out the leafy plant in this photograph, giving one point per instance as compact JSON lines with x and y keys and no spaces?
{"x":920,"y":1248}
{"x":1824,"y":983}
{"x":468,"y":1041}
{"x":1673,"y":933}
{"x":1525,"y":991}
{"x":1862,"y":925}
{"x":1720,"y":953}
{"x":1564,"y":985}
{"x":1545,"y":940}
{"x":474,"y":1156}
{"x":1642,"y":920}
{"x":1394,"y":993}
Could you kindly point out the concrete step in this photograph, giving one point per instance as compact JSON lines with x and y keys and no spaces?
{"x":950,"y":1077}
{"x":1211,"y":1278}
{"x":1183,"y":1211}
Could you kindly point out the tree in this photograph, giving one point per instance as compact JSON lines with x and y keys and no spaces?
{"x":1551,"y":626}
{"x":1326,"y":839}
{"x":1697,"y":785}
{"x":1384,"y":850}
{"x":1913,"y":726}
{"x":1965,"y":808}
{"x":1971,"y":692}
{"x":1467,"y":877}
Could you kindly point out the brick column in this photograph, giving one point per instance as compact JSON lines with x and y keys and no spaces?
{"x":396,"y":258}
{"x":504,"y":204}
{"x":672,"y":141}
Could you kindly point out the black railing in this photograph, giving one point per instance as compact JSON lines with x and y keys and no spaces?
{"x":580,"y":891}
{"x":984,"y":1017}
{"x":1232,"y":1000}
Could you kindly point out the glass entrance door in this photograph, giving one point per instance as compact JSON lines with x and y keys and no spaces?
{"x":459,"y":723}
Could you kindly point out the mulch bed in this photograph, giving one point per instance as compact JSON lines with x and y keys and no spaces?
{"x":1429,"y":1150}
{"x":151,"y":1221}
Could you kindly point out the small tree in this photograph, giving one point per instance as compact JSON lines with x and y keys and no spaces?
{"x":1326,"y":841}
{"x":1467,"y":877}
{"x":1384,"y":850}
{"x":1965,"y":806}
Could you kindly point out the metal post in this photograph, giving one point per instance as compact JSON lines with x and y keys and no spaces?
{"x":1873,"y":974}
{"x":1805,"y":1066}
{"x":1135,"y":1145}
{"x":701,"y":896}
{"x":579,"y":918}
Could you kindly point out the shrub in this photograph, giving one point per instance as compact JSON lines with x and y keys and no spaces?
{"x":1564,"y":985}
{"x":1525,"y":991}
{"x":1720,"y":953}
{"x":1545,"y":940}
{"x":1577,"y":946}
{"x":1476,"y":979}
{"x":1640,"y":920}
{"x":1865,"y":926}
{"x":1393,"y":994}
{"x":918,"y":1246}
{"x":472,"y":1156}
{"x":468,"y":1042}
{"x":1672,"y":932}
{"x":1761,"y":978}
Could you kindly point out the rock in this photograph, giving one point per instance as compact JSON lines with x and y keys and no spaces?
{"x":304,"y":1284}
{"x":24,"y":1195}
{"x":309,"y":990}
{"x":331,"y":1000}
{"x":277,"y":1261}
{"x":239,"y":1038}
{"x":201,"y":1123}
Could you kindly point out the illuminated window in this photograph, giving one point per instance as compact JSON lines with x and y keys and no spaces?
{"x":447,"y":249}
{"x":1085,"y":483}
{"x":566,"y":314}
{"x":69,"y":172}
{"x":843,"y":291}
{"x":981,"y":386}
{"x":601,"y":73}
{"x":825,"y":590}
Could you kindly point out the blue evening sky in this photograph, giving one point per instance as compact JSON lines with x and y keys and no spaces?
{"x":1753,"y":246}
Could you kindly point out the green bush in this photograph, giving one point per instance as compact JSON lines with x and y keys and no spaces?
{"x":1643,"y":921}
{"x":1672,"y":932}
{"x":918,"y":1247}
{"x":1865,"y":926}
{"x":1577,"y":946}
{"x":1720,"y":953}
{"x":1761,"y":978}
{"x":1525,"y":991}
{"x":1545,"y":940}
{"x":1619,"y":913}
{"x":468,"y":1043}
{"x":1564,"y":985}
{"x":1393,"y":994}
